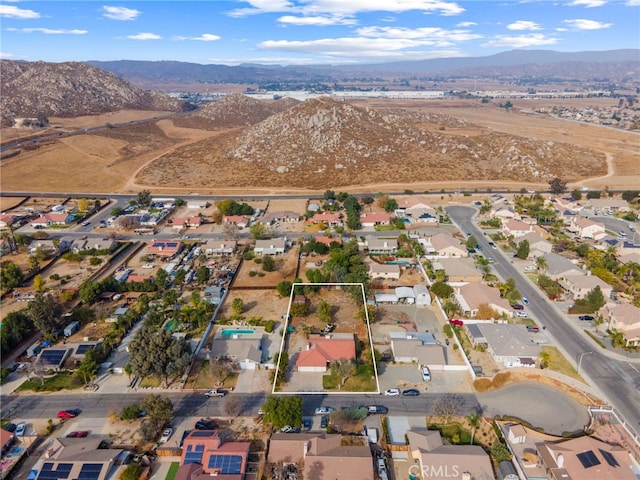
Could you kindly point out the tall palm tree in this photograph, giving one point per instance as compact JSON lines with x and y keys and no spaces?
{"x":541,"y":263}
{"x":474,"y":420}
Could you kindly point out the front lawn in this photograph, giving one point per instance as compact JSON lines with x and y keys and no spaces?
{"x":173,"y":470}
{"x":62,"y":381}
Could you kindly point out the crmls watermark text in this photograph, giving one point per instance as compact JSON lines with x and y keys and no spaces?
{"x":436,"y":471}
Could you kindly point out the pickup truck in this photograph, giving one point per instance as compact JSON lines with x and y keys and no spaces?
{"x":216,"y":392}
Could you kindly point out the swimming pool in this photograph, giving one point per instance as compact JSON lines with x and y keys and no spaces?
{"x":234,"y":331}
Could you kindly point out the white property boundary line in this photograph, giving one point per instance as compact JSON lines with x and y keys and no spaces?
{"x":285,"y":332}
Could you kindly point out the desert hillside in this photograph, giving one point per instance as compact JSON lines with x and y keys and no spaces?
{"x":324,"y":143}
{"x":72,"y":89}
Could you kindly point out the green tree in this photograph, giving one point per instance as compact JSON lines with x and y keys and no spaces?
{"x":116,"y":211}
{"x":324,"y":311}
{"x":576,"y":194}
{"x":203,"y":274}
{"x":282,"y":410}
{"x":34,"y":264}
{"x":88,"y":369}
{"x":181,"y":275}
{"x":15,"y":327}
{"x":11,"y":275}
{"x":89,"y":291}
{"x":159,"y":410}
{"x":268,"y":263}
{"x":284,"y":288}
{"x":557,"y":186}
{"x":343,"y":369}
{"x":500,"y":453}
{"x":522,"y":252}
{"x":471,"y":242}
{"x":143,"y":198}
{"x":391,"y":205}
{"x":442,"y":290}
{"x":299,"y":309}
{"x":132,"y":472}
{"x":474,"y":420}
{"x":237,"y":305}
{"x":157,"y":352}
{"x":44,"y":311}
{"x":258,"y":231}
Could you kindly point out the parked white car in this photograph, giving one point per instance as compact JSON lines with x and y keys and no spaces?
{"x":426,"y":374}
{"x":324,"y":410}
{"x":166,"y":435}
{"x":21,"y":428}
{"x":522,"y":314}
{"x":392,"y":392}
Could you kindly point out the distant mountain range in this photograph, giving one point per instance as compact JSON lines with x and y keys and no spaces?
{"x":611,"y":65}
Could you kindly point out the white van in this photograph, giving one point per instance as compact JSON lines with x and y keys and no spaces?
{"x":426,"y":374}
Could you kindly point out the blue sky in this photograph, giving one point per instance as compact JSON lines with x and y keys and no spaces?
{"x":309,"y":31}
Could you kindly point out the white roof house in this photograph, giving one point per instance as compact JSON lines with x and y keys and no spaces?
{"x":273,"y":246}
{"x":379,"y":270}
{"x":509,"y":344}
{"x":422,"y":295}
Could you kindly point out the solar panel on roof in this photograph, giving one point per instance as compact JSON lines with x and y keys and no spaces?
{"x":82,"y":349}
{"x":51,"y":471}
{"x":194,"y":454}
{"x":90,"y":471}
{"x":203,"y":433}
{"x":228,"y":464}
{"x":609,"y":458}
{"x":171,"y":244}
{"x":52,"y":357}
{"x":588,"y":459}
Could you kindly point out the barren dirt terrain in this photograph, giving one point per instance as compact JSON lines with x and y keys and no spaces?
{"x":130,"y":158}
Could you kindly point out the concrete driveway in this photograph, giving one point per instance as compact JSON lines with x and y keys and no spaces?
{"x":540,"y":405}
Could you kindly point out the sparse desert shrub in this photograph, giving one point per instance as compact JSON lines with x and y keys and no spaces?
{"x":482,"y":384}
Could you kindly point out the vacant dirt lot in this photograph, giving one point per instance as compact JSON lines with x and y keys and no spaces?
{"x":257,"y":303}
{"x":285,"y":270}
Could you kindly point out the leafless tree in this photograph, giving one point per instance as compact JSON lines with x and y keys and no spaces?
{"x":233,"y":406}
{"x":231,"y":230}
{"x":447,"y":406}
{"x":344,"y":369}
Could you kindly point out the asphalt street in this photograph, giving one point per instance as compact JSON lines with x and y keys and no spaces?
{"x":540,"y":405}
{"x":618,"y":380}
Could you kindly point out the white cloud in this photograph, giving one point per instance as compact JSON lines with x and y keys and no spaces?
{"x":319,"y":21}
{"x":49,"y":31}
{"x":633,"y":3}
{"x":429,"y":35}
{"x":120,"y":13}
{"x":582,"y":24}
{"x":144,"y":36}
{"x":205,"y":37}
{"x":346,"y":7}
{"x":521,"y":41}
{"x":587,"y":3}
{"x":6,"y":55}
{"x":11,"y":11}
{"x":524,"y":25}
{"x":466,"y":24}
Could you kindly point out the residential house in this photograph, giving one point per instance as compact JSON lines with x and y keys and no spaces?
{"x":327,"y":240}
{"x":472,"y":295}
{"x":117,"y":313}
{"x":608,"y":204}
{"x":103,"y":244}
{"x":6,"y":441}
{"x":164,"y":248}
{"x":437,"y":460}
{"x":459,"y":269}
{"x":417,"y":209}
{"x":504,"y":213}
{"x":387,"y":246}
{"x":623,"y":318}
{"x":45,"y":246}
{"x":559,"y":267}
{"x":186,"y":222}
{"x":324,"y":455}
{"x":566,"y":205}
{"x":205,"y":455}
{"x":516,"y":228}
{"x":285,"y":216}
{"x":68,"y":458}
{"x":272,"y":246}
{"x":242,"y":346}
{"x":580,"y":285}
{"x":6,"y":246}
{"x":330,"y":219}
{"x":383,"y":270}
{"x":49,"y":219}
{"x":213,"y":294}
{"x":419,"y":349}
{"x":220,"y":247}
{"x":587,"y":228}
{"x":6,"y":220}
{"x":445,"y":245}
{"x":509,"y":344}
{"x":138,"y":278}
{"x":322,"y":350}
{"x":240,"y":221}
{"x":373,"y":219}
{"x":585,"y":458}
{"x":538,"y":246}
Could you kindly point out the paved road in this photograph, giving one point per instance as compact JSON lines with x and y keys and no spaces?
{"x":618,"y":380}
{"x":538,"y":404}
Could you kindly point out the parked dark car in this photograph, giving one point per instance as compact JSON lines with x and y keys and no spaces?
{"x":380,"y":409}
{"x":203,"y":424}
{"x":10,"y":427}
{"x":586,"y":318}
{"x":324,"y":421}
{"x":411,"y":392}
{"x":456,"y":322}
{"x":517,"y":307}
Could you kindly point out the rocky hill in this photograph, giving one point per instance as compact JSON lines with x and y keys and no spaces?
{"x":240,"y":110}
{"x":326,"y":143}
{"x":72,"y":89}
